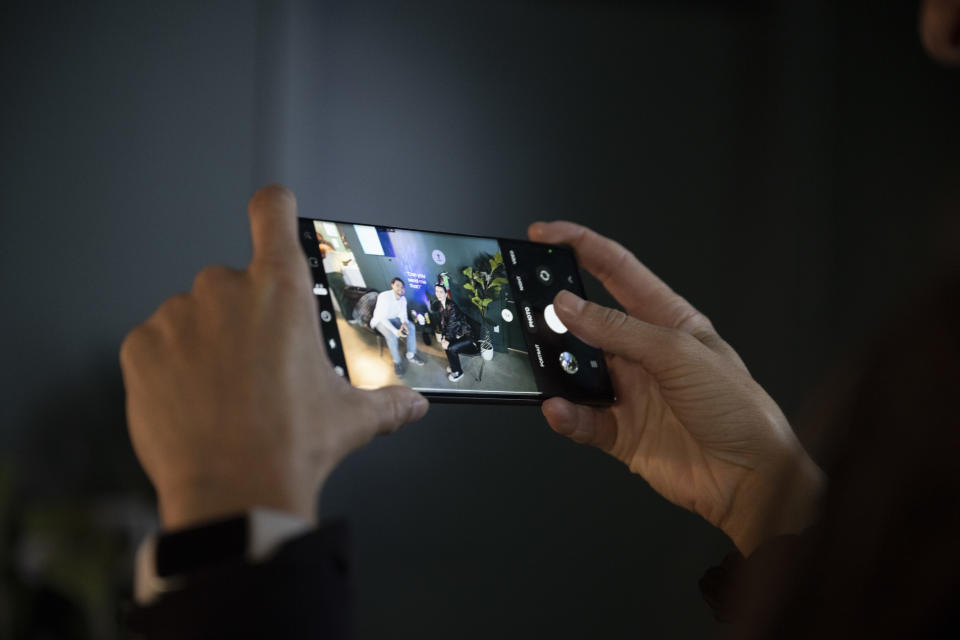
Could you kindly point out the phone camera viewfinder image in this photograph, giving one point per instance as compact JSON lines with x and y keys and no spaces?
{"x":440,"y":313}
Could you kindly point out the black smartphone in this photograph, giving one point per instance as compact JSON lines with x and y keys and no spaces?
{"x":458,"y":318}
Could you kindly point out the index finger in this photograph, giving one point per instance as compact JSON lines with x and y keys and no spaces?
{"x":642,"y":294}
{"x":273,"y":228}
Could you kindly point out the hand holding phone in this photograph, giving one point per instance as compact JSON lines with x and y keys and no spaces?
{"x":690,"y":419}
{"x":232,"y":371}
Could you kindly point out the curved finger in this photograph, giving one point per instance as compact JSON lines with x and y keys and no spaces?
{"x":175,"y":314}
{"x":138,"y":347}
{"x":586,"y":425}
{"x":637,"y":288}
{"x":656,"y":348}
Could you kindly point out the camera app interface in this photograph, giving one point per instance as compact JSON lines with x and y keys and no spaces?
{"x":445,"y":314}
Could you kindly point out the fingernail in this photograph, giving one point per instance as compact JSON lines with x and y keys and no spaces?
{"x":569,"y":302}
{"x":535,"y":229}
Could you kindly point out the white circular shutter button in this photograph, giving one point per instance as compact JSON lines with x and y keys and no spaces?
{"x":553,"y":321}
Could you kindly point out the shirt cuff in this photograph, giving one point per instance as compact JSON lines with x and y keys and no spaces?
{"x":267,"y":531}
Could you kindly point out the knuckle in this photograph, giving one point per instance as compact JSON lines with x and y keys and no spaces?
{"x":613,"y":320}
{"x":170,"y":316}
{"x":277,"y":263}
{"x":128,"y":347}
{"x":680,"y":342}
{"x":291,"y":280}
{"x":691,"y":320}
{"x":577,"y":234}
{"x":711,"y":339}
{"x":619,"y":256}
{"x":171,"y":308}
{"x":393,"y":411}
{"x":133,"y":344}
{"x":698,"y":325}
{"x":210,"y":278}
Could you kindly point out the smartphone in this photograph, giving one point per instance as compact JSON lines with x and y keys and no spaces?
{"x":458,"y":318}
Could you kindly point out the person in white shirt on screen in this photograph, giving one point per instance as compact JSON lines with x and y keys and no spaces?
{"x":390,"y":318}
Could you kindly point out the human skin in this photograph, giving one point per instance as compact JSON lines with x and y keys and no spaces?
{"x":689,"y":418}
{"x":940,"y":30}
{"x":232,"y":402}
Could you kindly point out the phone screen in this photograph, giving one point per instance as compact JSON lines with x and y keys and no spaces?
{"x":456,"y":317}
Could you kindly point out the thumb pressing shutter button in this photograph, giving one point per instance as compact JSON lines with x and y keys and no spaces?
{"x":550,"y":315}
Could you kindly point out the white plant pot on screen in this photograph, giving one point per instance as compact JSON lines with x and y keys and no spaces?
{"x":486,"y":350}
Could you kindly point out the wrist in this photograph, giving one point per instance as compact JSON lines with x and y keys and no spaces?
{"x":782,"y":496}
{"x":196,"y":503}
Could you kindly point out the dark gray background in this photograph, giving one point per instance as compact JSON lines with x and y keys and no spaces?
{"x":783,"y":165}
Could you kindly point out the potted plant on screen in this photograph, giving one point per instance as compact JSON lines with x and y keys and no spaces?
{"x":484,"y":288}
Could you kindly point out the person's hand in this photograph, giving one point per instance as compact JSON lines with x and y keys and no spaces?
{"x":232,"y":402}
{"x":940,"y":30}
{"x":403,"y":331}
{"x":689,"y":418}
{"x":445,"y":343}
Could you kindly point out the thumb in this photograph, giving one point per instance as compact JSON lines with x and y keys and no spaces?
{"x":273,"y":228}
{"x":655,"y":348}
{"x":585,"y":425}
{"x":390,"y":408}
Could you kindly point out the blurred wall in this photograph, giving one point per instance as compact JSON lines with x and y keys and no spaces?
{"x":777,"y":163}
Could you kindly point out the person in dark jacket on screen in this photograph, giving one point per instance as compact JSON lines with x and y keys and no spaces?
{"x":455,"y":331}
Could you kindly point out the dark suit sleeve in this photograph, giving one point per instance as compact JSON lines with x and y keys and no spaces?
{"x":300,"y":592}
